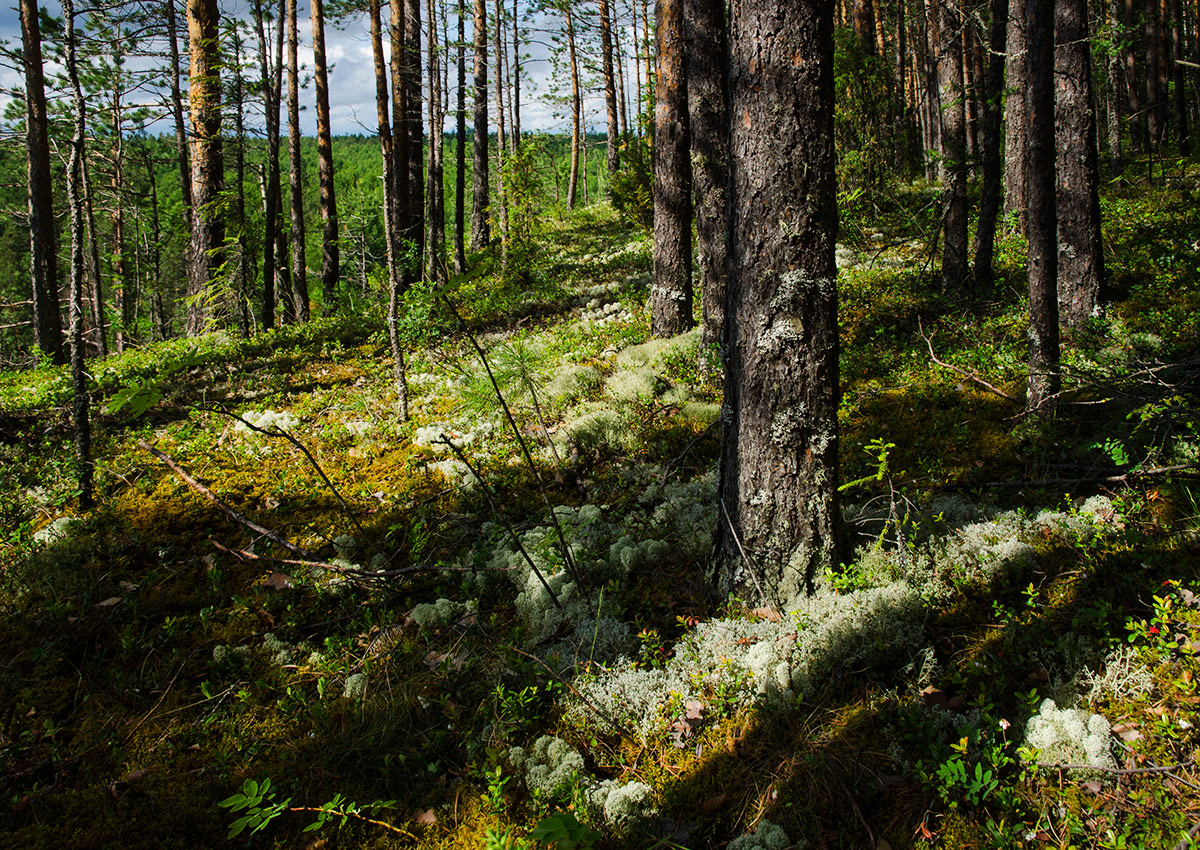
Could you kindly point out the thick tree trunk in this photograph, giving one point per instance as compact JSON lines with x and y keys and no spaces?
{"x":80,"y":406}
{"x":480,"y":227}
{"x":990,"y":191}
{"x":43,"y":241}
{"x":708,"y":120}
{"x":612,"y":158}
{"x":862,"y":16}
{"x":1156,"y":126}
{"x":1042,"y":216}
{"x":779,"y":466}
{"x":330,"y":258}
{"x":208,"y":170}
{"x":1080,"y":251}
{"x":1015,"y":122}
{"x":956,"y":273}
{"x":299,"y":291}
{"x":671,"y":293}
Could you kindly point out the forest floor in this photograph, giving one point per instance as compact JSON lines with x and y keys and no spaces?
{"x":495,"y":629}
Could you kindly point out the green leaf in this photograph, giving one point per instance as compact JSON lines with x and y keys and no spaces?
{"x":235,"y":828}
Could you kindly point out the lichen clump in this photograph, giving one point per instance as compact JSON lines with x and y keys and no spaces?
{"x":1070,"y":736}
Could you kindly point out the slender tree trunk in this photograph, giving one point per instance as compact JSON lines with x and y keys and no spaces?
{"x":1080,"y":250}
{"x":1180,"y":75}
{"x":460,"y":147}
{"x":501,"y":133}
{"x":1116,"y":34}
{"x":242,"y":292}
{"x":516,"y":79}
{"x":1042,"y":216}
{"x":1017,"y":86}
{"x":415,"y":137}
{"x":779,"y":468}
{"x":480,"y":227}
{"x":436,"y":229}
{"x":1135,"y":85}
{"x":610,"y":87}
{"x":117,"y":262}
{"x":671,"y":293}
{"x":43,"y":241}
{"x":618,"y":43}
{"x":708,"y":120}
{"x":330,"y":257}
{"x":181,"y":138}
{"x":956,"y":273}
{"x":296,"y":170}
{"x":80,"y":407}
{"x":990,"y":191}
{"x":1154,"y":94}
{"x":208,"y":226}
{"x":576,"y":108}
{"x":271,"y":79}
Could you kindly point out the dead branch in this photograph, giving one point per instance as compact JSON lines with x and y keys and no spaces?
{"x":1189,"y":470}
{"x":351,"y":571}
{"x":970,"y":376}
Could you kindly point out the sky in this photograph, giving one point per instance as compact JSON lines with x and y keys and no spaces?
{"x":351,"y":78}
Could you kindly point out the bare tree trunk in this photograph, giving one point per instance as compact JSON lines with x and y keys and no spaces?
{"x":610,"y":87}
{"x":516,"y":80}
{"x":208,"y":227}
{"x":480,"y":228}
{"x":1180,"y":74}
{"x":1015,"y":121}
{"x":1080,"y":250}
{"x":708,"y":121}
{"x":460,"y":149}
{"x":990,"y":191}
{"x":501,"y":132}
{"x":671,"y":293}
{"x":330,"y":256}
{"x":124,"y":301}
{"x":1116,"y":34}
{"x":435,"y":236}
{"x":43,"y":241}
{"x":81,"y":421}
{"x":956,"y":273}
{"x":618,"y":43}
{"x":242,"y":291}
{"x":181,"y":139}
{"x":576,"y":108}
{"x":1042,"y":217}
{"x":296,"y":171}
{"x":779,"y":468}
{"x":414,"y":131}
{"x":1154,"y":93}
{"x":271,"y":80}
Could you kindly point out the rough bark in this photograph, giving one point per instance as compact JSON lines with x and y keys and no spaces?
{"x":299,"y":291}
{"x":956,"y":272}
{"x":708,"y":118}
{"x":1135,"y":85}
{"x":480,"y":227}
{"x":671,"y":292}
{"x":330,"y":257}
{"x":990,"y":190}
{"x":43,"y":241}
{"x":779,"y":469}
{"x":612,"y":159}
{"x":1080,"y":251}
{"x":1042,"y":215}
{"x":204,"y":98}
{"x":862,"y":16}
{"x":1016,"y":86}
{"x":1115,"y":32}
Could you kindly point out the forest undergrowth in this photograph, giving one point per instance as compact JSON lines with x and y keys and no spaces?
{"x":495,"y":629}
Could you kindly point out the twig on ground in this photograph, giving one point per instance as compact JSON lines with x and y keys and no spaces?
{"x":670,"y":466}
{"x":970,"y":376}
{"x":351,"y":571}
{"x":617,"y":727}
{"x":1189,"y":468}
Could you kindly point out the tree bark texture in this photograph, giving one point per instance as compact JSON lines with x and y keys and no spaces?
{"x":708,"y":120}
{"x":779,"y":466}
{"x":183,"y":155}
{"x":43,"y":241}
{"x":1016,"y":86}
{"x":480,"y":227}
{"x":956,"y":272}
{"x":299,"y":291}
{"x":1080,"y":250}
{"x":613,"y":158}
{"x":330,"y":255}
{"x":208,"y":169}
{"x":671,"y":292}
{"x":1042,"y":215}
{"x":271,"y":80}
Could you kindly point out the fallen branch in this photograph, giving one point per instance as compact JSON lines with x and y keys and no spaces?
{"x":351,"y":571}
{"x":1132,"y":475}
{"x":240,"y":519}
{"x":1118,"y":771}
{"x":970,"y":376}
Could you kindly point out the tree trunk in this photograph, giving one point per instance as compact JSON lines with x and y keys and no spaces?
{"x":779,"y":460}
{"x":576,"y":108}
{"x":708,"y":120}
{"x":956,"y":273}
{"x":43,"y":241}
{"x":204,"y":98}
{"x":1080,"y":251}
{"x":1135,"y":85}
{"x":1116,"y":35}
{"x":989,"y":195}
{"x":1154,"y":94}
{"x":671,"y":294}
{"x":436,"y":220}
{"x":480,"y":227}
{"x":120,"y":272}
{"x":460,"y":149}
{"x":1179,"y":72}
{"x":271,"y":87}
{"x":612,"y":158}
{"x":501,"y":133}
{"x":414,"y":131}
{"x":181,"y":138}
{"x":80,"y":406}
{"x":330,"y":259}
{"x":1042,"y":216}
{"x":863,"y":19}
{"x":1015,"y":122}
{"x":516,"y":80}
{"x":296,"y":171}
{"x":242,"y":291}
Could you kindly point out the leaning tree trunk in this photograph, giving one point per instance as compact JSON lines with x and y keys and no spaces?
{"x":330,"y":258}
{"x":1042,"y":216}
{"x":208,"y":226}
{"x":671,"y":293}
{"x":1080,"y":250}
{"x":708,"y":120}
{"x":43,"y":243}
{"x":299,"y":291}
{"x":779,"y":466}
{"x":480,"y":227}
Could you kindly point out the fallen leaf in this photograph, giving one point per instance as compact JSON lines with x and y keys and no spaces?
{"x":279,"y":581}
{"x":425,"y":817}
{"x":1093,"y":786}
{"x":127,"y":586}
{"x":1129,"y":735}
{"x":110,"y":601}
{"x":766,"y":613}
{"x":692,"y":709}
